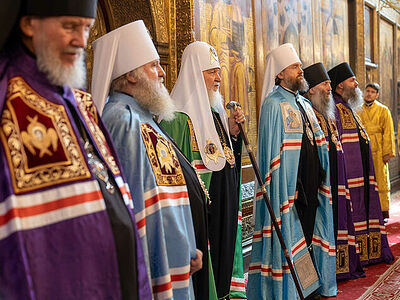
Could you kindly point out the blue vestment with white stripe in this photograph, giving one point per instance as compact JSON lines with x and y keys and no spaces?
{"x":159,"y":194}
{"x":279,"y":144}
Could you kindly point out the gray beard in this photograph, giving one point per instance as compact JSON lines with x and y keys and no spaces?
{"x":215,"y":98}
{"x":324,"y":104}
{"x":49,"y":63}
{"x":154,"y":97}
{"x":354,"y":98}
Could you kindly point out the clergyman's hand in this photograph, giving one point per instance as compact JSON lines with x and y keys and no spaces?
{"x":197,"y":263}
{"x":386,"y":158}
{"x":236,"y":117}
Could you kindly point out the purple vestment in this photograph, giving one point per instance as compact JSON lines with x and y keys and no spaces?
{"x":367,"y":215}
{"x":56,"y":240}
{"x":348,"y":265}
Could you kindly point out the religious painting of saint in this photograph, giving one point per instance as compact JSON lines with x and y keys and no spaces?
{"x":335,"y":33}
{"x":227,"y":25}
{"x":386,"y":45}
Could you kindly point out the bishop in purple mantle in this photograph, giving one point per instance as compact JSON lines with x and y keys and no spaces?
{"x":348,"y":264}
{"x":66,"y":225}
{"x":367,"y":215}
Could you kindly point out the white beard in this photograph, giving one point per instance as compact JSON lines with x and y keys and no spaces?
{"x":154,"y":97}
{"x":49,"y":63}
{"x":215,"y":98}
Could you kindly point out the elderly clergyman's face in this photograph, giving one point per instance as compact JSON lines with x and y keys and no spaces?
{"x":212,"y":79}
{"x":150,"y":92}
{"x":59,"y":43}
{"x":322,"y":100}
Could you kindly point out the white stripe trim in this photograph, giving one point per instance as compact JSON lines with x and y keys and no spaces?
{"x":43,"y":197}
{"x":70,"y":212}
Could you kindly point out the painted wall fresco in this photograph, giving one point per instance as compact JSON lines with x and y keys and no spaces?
{"x":386,"y":46}
{"x":228,"y":26}
{"x":368,"y":33}
{"x":318,"y":29}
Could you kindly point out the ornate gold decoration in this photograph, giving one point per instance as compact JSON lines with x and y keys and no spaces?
{"x":305,"y":270}
{"x":67,"y":162}
{"x":230,"y":158}
{"x":346,"y":117}
{"x":162,"y":157}
{"x":342,"y":259}
{"x":334,"y":131}
{"x":362,"y":241}
{"x":39,"y":137}
{"x":361,"y":128}
{"x":322,"y":123}
{"x":193,"y":141}
{"x":89,"y":113}
{"x":291,"y":118}
{"x":184,"y":28}
{"x":212,"y":152}
{"x":375,"y":245}
{"x":165,"y":159}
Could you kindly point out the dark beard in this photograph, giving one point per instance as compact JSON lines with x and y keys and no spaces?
{"x":354,"y":98}
{"x":296,"y":84}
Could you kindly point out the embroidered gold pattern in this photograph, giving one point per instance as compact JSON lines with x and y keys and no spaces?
{"x":211,"y":151}
{"x":342,"y":259}
{"x":89,"y":113}
{"x":305,"y":270}
{"x":28,"y":174}
{"x":162,"y":157}
{"x":362,"y":241}
{"x":193,"y":141}
{"x":346,"y":117}
{"x":375,"y":245}
{"x":322,"y":123}
{"x":311,"y":116}
{"x":334,"y":133}
{"x":291,"y":117}
{"x":39,"y":137}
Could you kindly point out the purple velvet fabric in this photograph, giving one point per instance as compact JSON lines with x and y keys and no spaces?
{"x":354,"y":171}
{"x":71,"y":259}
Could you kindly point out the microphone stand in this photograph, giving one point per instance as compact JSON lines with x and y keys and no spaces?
{"x":233,"y":105}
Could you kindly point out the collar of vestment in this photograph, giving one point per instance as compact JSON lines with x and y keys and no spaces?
{"x":290,"y":91}
{"x":288,"y":94}
{"x":128,"y":100}
{"x":370,"y":104}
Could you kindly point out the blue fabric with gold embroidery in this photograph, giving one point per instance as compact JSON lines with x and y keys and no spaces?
{"x":279,"y":144}
{"x":159,"y":194}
